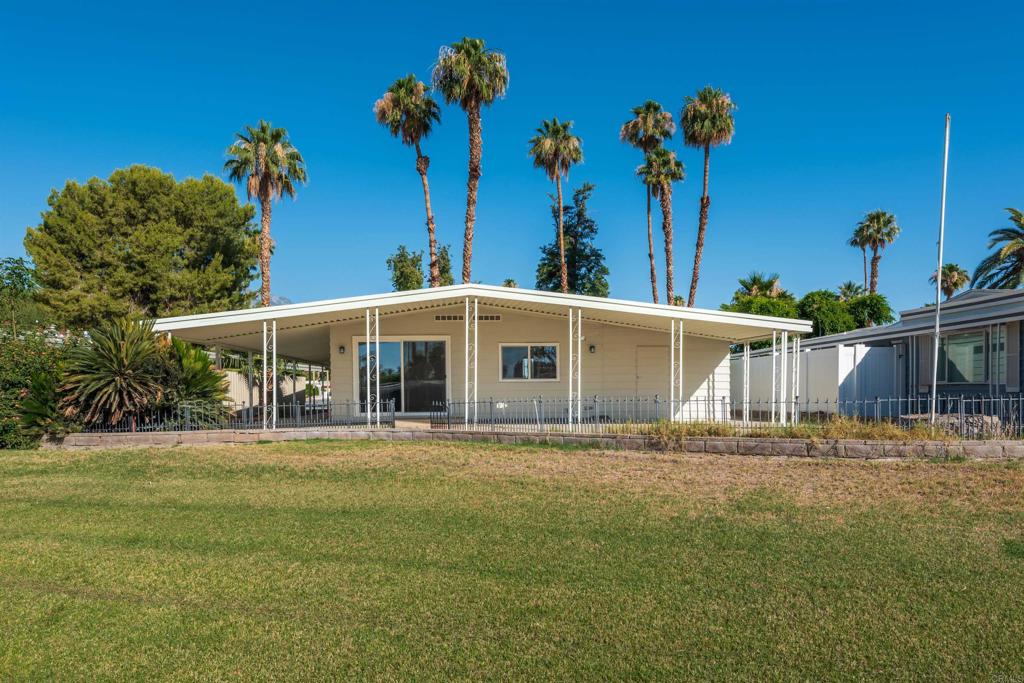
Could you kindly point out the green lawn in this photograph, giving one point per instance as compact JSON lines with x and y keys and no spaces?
{"x":343,"y":560}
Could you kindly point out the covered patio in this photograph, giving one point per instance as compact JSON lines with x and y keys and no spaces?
{"x":476,"y":355}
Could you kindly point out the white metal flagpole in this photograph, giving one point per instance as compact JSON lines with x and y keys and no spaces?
{"x":938,"y":276}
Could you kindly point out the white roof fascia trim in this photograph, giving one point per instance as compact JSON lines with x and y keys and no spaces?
{"x":489,"y":291}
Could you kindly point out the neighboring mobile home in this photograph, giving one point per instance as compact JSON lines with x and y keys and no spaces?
{"x":979,"y":355}
{"x":476,"y":343}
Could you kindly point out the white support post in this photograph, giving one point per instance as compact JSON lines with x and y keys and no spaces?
{"x":794,"y":361}
{"x":264,"y":380}
{"x":575,"y":373}
{"x":774,"y":378}
{"x":796,"y":382}
{"x":572,"y":366}
{"x":367,"y":338}
{"x":465,"y":357}
{"x":472,"y":340}
{"x":273,"y":388}
{"x":675,"y":391}
{"x":476,"y":347}
{"x":579,"y":365}
{"x":372,"y":368}
{"x":376,"y":358}
{"x":248,"y":374}
{"x":216,"y":357}
{"x":782,"y":377}
{"x":680,"y":370}
{"x":746,"y":382}
{"x":672,"y":371}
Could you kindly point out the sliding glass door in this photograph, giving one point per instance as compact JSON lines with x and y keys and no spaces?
{"x":412,"y":372}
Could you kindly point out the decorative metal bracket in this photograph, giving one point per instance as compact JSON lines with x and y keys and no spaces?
{"x":676,"y":398}
{"x":269,"y":379}
{"x":373,"y":367}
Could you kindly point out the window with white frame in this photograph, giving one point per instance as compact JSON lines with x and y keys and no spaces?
{"x":526,"y":362}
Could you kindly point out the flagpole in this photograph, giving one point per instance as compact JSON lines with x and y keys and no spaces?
{"x":938,"y":277}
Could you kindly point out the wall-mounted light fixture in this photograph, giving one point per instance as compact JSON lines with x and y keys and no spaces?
{"x":593,"y":349}
{"x":341,"y":349}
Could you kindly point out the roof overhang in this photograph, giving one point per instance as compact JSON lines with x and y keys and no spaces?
{"x":304,"y":329}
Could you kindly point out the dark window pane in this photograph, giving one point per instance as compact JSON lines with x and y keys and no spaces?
{"x":544,"y":362}
{"x":514,"y":362}
{"x":425,"y":375}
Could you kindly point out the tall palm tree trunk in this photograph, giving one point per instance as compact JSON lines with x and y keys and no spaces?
{"x":875,"y":259}
{"x":265,"y":247}
{"x":666,"y":226}
{"x":650,"y":249}
{"x":475,"y":153}
{"x":561,"y":239}
{"x":702,"y":227}
{"x":864,"y":253}
{"x":422,"y":164}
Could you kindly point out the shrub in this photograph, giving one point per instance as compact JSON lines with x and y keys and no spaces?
{"x":21,"y":359}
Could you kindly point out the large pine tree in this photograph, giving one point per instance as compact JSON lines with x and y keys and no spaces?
{"x":143,"y":244}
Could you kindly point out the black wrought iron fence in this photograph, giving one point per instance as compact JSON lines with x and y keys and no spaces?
{"x":207,"y":416}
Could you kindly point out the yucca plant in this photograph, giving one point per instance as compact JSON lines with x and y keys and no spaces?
{"x":115,"y":375}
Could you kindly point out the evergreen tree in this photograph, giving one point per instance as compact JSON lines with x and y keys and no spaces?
{"x":144,"y":244}
{"x":406,"y":269}
{"x":444,"y":263}
{"x":586,"y":271}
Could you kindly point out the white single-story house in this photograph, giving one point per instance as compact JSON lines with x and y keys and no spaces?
{"x":471,"y":343}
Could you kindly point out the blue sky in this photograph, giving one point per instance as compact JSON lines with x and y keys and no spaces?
{"x":841,"y":108}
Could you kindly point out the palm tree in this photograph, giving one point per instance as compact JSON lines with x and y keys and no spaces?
{"x":1003,"y":268}
{"x":859,"y":240}
{"x":954,"y":278}
{"x":879,"y":229}
{"x":850,"y":290}
{"x":470,"y":74}
{"x":115,"y":375}
{"x":661,"y":170}
{"x":409,"y":112}
{"x":707,"y":122}
{"x":555,"y":149}
{"x":647,"y":130}
{"x":264,"y":158}
{"x":760,"y":284}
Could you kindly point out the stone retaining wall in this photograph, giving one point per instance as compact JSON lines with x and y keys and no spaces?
{"x":845,"y":448}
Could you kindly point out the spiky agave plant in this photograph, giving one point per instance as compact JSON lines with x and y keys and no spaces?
{"x":113,"y":376}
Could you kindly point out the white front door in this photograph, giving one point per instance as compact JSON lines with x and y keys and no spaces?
{"x":652,"y":371}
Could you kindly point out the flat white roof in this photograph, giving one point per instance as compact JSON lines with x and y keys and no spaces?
{"x":303,"y":329}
